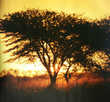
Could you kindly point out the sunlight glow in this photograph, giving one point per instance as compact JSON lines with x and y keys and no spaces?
{"x":89,"y":8}
{"x":100,"y":58}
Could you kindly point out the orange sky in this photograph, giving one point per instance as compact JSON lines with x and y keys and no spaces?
{"x":88,"y":8}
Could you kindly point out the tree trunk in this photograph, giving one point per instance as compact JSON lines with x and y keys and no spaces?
{"x":52,"y":80}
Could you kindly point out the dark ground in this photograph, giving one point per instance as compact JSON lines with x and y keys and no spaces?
{"x":95,"y":93}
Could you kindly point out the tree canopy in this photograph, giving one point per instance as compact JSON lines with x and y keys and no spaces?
{"x":55,"y":38}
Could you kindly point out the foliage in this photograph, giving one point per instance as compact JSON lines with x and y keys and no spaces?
{"x":54,"y":38}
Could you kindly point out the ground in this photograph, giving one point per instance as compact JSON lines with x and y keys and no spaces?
{"x":80,"y":93}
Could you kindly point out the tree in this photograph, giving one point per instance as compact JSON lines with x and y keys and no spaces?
{"x":91,"y":39}
{"x":42,"y":34}
{"x":54,"y":38}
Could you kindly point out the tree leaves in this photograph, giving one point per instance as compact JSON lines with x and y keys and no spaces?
{"x":55,"y":37}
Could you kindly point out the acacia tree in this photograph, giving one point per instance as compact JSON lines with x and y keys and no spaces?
{"x":42,"y":34}
{"x":92,"y":38}
{"x":52,"y":37}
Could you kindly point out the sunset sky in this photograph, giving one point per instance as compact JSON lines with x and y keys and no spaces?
{"x":88,"y":8}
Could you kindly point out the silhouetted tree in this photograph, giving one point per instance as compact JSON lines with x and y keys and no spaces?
{"x":54,"y":38}
{"x":42,"y":34}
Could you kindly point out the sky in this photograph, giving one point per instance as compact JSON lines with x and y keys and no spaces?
{"x":88,"y":8}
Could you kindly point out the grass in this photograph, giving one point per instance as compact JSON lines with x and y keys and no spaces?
{"x":99,"y":92}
